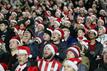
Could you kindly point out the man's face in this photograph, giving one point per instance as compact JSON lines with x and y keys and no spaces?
{"x":66,"y":32}
{"x":70,"y":55}
{"x":100,"y":31}
{"x":80,"y":33}
{"x":55,"y":36}
{"x":13,"y":43}
{"x":27,"y":35}
{"x":67,"y":67}
{"x":47,"y":53}
{"x":46,"y":37}
{"x":22,"y":58}
{"x":3,"y":27}
{"x":91,"y":35}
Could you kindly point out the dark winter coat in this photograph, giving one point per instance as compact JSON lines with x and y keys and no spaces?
{"x":92,"y":56}
{"x":103,"y":67}
{"x":6,"y":36}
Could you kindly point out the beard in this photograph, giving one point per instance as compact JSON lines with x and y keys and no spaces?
{"x":48,"y":57}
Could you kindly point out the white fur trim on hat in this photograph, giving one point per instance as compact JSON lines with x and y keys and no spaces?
{"x":56,"y":22}
{"x":13,"y":21}
{"x":94,"y":31}
{"x":51,"y":47}
{"x":22,"y":52}
{"x":16,"y":40}
{"x":72,"y":64}
{"x":73,"y":48}
{"x":50,"y":30}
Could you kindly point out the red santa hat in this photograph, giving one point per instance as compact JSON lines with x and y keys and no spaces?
{"x":39,"y":19}
{"x":41,"y":25}
{"x":94,"y":31}
{"x":16,"y":38}
{"x":60,"y":32}
{"x":75,"y":51}
{"x":38,"y":39}
{"x":73,"y":62}
{"x":53,"y":48}
{"x":24,"y":50}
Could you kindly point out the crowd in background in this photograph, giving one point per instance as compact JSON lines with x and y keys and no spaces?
{"x":53,"y":35}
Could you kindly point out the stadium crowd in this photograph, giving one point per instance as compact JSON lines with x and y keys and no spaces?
{"x":53,"y":35}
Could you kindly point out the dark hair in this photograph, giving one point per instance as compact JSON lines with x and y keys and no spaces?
{"x":5,"y":22}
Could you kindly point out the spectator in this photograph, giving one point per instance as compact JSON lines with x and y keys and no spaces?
{"x":13,"y":45}
{"x":69,"y":40}
{"x":71,"y":64}
{"x":46,"y":40}
{"x":103,"y":66}
{"x":23,"y":63}
{"x":49,"y":62}
{"x":5,"y":32}
{"x":57,"y":37}
{"x":102,"y":35}
{"x":28,"y":40}
{"x":95,"y":50}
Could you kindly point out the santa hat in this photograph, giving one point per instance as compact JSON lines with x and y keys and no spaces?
{"x":38,"y":39}
{"x":41,"y":25}
{"x":56,"y":22}
{"x":16,"y":38}
{"x":94,"y":31}
{"x":60,"y":32}
{"x":14,"y":13}
{"x":73,"y":62}
{"x":53,"y":48}
{"x":102,"y":27}
{"x":13,"y":21}
{"x":75,"y":51}
{"x":39,"y":19}
{"x":24,"y":50}
{"x":48,"y":31}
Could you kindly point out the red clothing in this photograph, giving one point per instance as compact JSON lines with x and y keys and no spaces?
{"x":92,"y":47}
{"x":53,"y":65}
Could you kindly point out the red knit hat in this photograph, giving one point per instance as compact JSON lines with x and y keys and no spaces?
{"x":73,"y":62}
{"x":53,"y":48}
{"x":60,"y":32}
{"x":17,"y":38}
{"x":94,"y":31}
{"x":24,"y":50}
{"x":75,"y":51}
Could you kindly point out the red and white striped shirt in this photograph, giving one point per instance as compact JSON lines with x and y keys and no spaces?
{"x":52,"y":65}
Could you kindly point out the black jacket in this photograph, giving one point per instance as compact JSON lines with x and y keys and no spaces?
{"x":103,"y":67}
